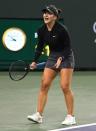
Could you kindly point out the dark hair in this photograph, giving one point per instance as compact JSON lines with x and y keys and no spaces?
{"x":52,"y":9}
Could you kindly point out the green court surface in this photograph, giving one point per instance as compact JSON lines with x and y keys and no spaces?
{"x":19,"y":99}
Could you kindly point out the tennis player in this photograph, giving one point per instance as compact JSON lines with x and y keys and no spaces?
{"x":61,"y":59}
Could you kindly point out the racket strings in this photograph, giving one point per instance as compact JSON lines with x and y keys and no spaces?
{"x":18,"y":70}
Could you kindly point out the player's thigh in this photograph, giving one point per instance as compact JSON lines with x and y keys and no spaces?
{"x":48,"y":76}
{"x":66,"y":77}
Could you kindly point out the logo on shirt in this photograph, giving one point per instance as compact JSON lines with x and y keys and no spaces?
{"x":54,"y":36}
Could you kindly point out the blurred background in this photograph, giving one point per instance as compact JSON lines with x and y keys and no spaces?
{"x":78,"y":15}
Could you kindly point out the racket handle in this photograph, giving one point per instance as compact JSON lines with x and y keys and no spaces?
{"x":41,"y":65}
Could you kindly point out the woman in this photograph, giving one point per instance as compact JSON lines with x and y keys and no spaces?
{"x":60,"y":60}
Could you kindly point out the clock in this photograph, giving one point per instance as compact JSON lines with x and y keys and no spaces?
{"x":14,"y":39}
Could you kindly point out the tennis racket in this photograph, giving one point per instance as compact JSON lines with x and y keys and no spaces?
{"x":19,"y":69}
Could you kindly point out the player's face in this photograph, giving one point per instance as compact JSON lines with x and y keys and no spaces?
{"x":48,"y":17}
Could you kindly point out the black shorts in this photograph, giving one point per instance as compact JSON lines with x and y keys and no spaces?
{"x":67,"y":62}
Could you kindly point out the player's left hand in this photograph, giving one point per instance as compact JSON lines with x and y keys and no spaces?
{"x":59,"y":60}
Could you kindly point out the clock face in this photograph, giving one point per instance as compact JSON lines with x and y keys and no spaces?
{"x":14,"y":39}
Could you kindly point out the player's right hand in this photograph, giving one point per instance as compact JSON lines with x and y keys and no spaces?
{"x":33,"y":65}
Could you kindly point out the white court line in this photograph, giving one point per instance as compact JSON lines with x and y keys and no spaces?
{"x":74,"y":127}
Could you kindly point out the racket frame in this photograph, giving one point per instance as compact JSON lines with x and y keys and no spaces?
{"x":26,"y":70}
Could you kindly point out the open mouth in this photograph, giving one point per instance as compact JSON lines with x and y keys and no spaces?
{"x":46,"y":19}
